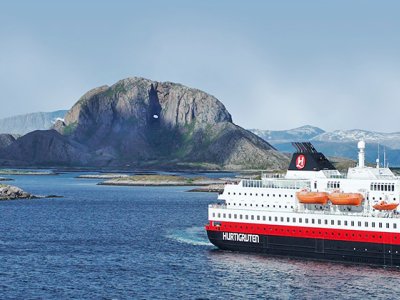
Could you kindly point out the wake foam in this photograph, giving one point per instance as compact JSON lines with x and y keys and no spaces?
{"x":196,"y":236}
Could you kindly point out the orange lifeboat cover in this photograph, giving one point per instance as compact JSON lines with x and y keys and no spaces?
{"x":306,"y":197}
{"x":383,"y":205}
{"x":345,"y":198}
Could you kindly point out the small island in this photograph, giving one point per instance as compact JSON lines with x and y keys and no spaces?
{"x":25,"y":172}
{"x":103,"y":176}
{"x":161,"y":180}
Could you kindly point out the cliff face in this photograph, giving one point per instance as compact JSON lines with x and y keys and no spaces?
{"x":23,"y":124}
{"x":140,"y":122}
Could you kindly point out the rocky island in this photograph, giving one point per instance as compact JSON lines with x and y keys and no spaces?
{"x":140,"y":123}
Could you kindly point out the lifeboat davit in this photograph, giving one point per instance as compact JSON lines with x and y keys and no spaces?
{"x":383,"y":205}
{"x":306,"y":197}
{"x":345,"y":198}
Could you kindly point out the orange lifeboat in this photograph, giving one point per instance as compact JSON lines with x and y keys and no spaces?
{"x":383,"y":205}
{"x":306,"y":197}
{"x":345,"y":198}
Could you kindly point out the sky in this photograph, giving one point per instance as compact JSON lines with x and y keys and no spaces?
{"x":274,"y":64}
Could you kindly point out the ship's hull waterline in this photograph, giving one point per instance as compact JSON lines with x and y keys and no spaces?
{"x":311,"y":248}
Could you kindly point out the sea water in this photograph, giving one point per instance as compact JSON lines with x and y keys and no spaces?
{"x":107,"y":242}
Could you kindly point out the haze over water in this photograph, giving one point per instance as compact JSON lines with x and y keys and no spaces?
{"x":148,"y":243}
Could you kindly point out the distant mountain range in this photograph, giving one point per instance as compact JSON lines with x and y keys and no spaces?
{"x":23,"y":124}
{"x":339,"y":143}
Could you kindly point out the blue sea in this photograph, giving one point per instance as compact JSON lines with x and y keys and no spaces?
{"x":105,"y":242}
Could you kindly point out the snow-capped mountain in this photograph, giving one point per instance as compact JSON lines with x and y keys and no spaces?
{"x":339,"y":143}
{"x":391,"y":140}
{"x":303,"y":133}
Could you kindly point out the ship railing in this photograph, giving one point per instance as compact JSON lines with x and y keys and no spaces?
{"x":272,"y":175}
{"x":217,"y":206}
{"x":276,"y":184}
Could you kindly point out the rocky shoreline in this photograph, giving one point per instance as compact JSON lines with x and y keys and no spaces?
{"x":11,"y":192}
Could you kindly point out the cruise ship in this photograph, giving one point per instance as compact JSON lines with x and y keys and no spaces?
{"x":313,"y":211}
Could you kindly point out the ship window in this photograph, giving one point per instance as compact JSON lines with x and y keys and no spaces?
{"x":332,"y":222}
{"x":267,"y":205}
{"x":373,"y":224}
{"x":241,"y":216}
{"x":345,"y":223}
{"x":380,"y":225}
{"x":273,"y":195}
{"x":247,"y":217}
{"x":251,"y":204}
{"x":312,"y":221}
{"x":287,"y":219}
{"x":339,"y":222}
{"x":279,"y":206}
{"x":291,"y":196}
{"x":214,"y":215}
{"x":256,"y":194}
{"x":285,"y":195}
{"x":359,"y":223}
{"x":258,"y":218}
{"x":245,"y":194}
{"x":245,"y":204}
{"x":387,"y":225}
{"x":251,"y":194}
{"x":264,"y":218}
{"x":229,"y":193}
{"x":262,"y":195}
{"x":267,"y":195}
{"x":276,"y":219}
{"x":394,"y":225}
{"x":281,"y":219}
{"x":230,"y":216}
{"x":273,"y":206}
{"x":319,"y":221}
{"x":219,"y":215}
{"x":240,"y":204}
{"x":294,"y":220}
{"x":300,"y":220}
{"x":235,"y":216}
{"x":306,"y":220}
{"x":285,"y":206}
{"x":326,"y":222}
{"x":240,"y":193}
{"x":224,"y":216}
{"x":252,"y":217}
{"x":234,"y":193}
{"x":352,"y":223}
{"x":366,"y":224}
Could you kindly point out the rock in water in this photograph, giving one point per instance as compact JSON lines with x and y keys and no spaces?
{"x":140,"y":122}
{"x":8,"y":192}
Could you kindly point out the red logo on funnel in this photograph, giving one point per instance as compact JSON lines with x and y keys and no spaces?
{"x":300,"y":161}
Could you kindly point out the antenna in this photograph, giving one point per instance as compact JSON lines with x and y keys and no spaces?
{"x":384,"y":157}
{"x":377,"y":160}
